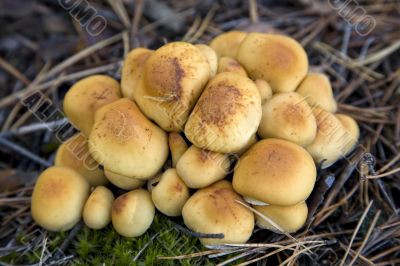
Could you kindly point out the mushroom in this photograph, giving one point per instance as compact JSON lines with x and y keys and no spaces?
{"x":211,"y":57}
{"x":151,"y":183}
{"x":275,"y":172}
{"x":330,"y":142}
{"x":265,"y":90}
{"x":227,"y":44}
{"x":288,"y":218}
{"x":350,"y":138}
{"x":199,"y":168}
{"x":250,"y":143}
{"x":123,"y":182}
{"x":132,"y":70}
{"x":317,"y":90}
{"x":288,"y":116}
{"x":88,"y":95}
{"x":97,"y":210}
{"x":75,"y":154}
{"x":173,"y":79}
{"x":125,"y":142}
{"x":58,"y":198}
{"x":170,"y":193}
{"x":228,"y":64}
{"x":177,"y":145}
{"x":215,"y":210}
{"x":227,"y":114}
{"x":283,"y":62}
{"x":132,"y":213}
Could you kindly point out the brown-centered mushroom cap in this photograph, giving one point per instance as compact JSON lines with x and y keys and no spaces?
{"x":227,"y":44}
{"x":97,"y":210}
{"x":352,"y":135}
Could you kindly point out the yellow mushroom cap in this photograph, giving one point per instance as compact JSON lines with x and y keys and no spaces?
{"x":199,"y":168}
{"x":132,"y":70}
{"x":288,"y":116}
{"x":123,"y":182}
{"x":211,"y":57}
{"x":229,"y":64}
{"x":277,"y":59}
{"x":177,"y":145}
{"x":170,"y":193}
{"x":277,"y":172}
{"x":227,"y":114}
{"x":265,"y":90}
{"x":58,"y":198}
{"x":75,"y":154}
{"x":330,"y":142}
{"x":125,"y":142}
{"x":317,"y":90}
{"x":88,"y":95}
{"x":227,"y":44}
{"x":353,"y":132}
{"x":173,"y":79}
{"x":289,"y":218}
{"x":97,"y":210}
{"x":214,"y":210}
{"x":132,"y":213}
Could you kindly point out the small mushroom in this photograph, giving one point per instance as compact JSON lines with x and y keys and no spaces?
{"x":75,"y":154}
{"x":227,"y":44}
{"x":88,"y":95}
{"x":317,"y":90}
{"x":275,"y":172}
{"x":97,"y":210}
{"x":177,"y":145}
{"x":265,"y":90}
{"x":228,"y":64}
{"x":132,"y":213}
{"x":350,"y":138}
{"x":170,"y":193}
{"x":174,"y":77}
{"x":211,"y":57}
{"x":125,"y":142}
{"x":199,"y":168}
{"x":58,"y":198}
{"x":132,"y":70}
{"x":123,"y":182}
{"x":288,"y":116}
{"x":215,"y":210}
{"x":330,"y":142}
{"x":288,"y":218}
{"x":277,"y":59}
{"x":227,"y":114}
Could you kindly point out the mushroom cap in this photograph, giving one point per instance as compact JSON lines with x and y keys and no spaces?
{"x":211,"y":57}
{"x":227,"y":44}
{"x":75,"y":154}
{"x":250,"y":143}
{"x":97,"y":210}
{"x":177,"y":145}
{"x":214,"y":210}
{"x":170,"y":193}
{"x":275,"y":171}
{"x":229,"y":64}
{"x":265,"y":90}
{"x":330,"y":142}
{"x":227,"y":114}
{"x":289,"y":218}
{"x":317,"y":90}
{"x":123,"y":182}
{"x":353,"y":132}
{"x":132,"y":70}
{"x":58,"y":198}
{"x":151,"y":183}
{"x":88,"y":95}
{"x":125,"y":142}
{"x":132,"y":213}
{"x":173,"y":79}
{"x":199,"y":168}
{"x":277,"y":59}
{"x":288,"y":116}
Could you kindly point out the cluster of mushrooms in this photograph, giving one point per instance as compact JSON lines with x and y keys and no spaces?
{"x":226,"y":135}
